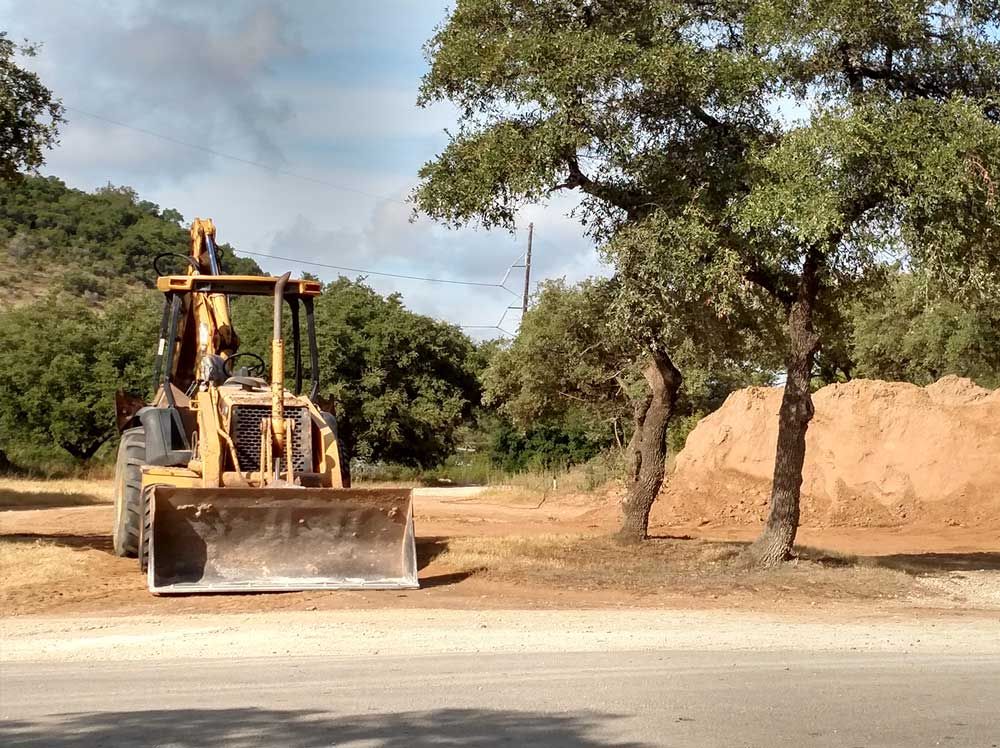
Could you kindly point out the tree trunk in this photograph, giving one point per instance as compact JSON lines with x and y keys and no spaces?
{"x":775,"y":544}
{"x":646,"y":454}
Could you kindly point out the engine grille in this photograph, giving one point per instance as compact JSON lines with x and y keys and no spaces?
{"x":245,"y":431}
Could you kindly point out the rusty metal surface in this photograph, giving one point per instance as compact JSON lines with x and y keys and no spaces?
{"x":251,"y":539}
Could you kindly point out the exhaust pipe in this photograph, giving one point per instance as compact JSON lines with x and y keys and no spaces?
{"x":278,"y":369}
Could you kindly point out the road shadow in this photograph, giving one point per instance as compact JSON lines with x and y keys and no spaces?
{"x":76,"y":542}
{"x":298,"y":728}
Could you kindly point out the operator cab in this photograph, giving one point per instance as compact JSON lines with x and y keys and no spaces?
{"x":243,"y":368}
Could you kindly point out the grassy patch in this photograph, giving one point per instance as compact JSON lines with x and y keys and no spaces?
{"x":694,"y":568}
{"x":475,"y":469}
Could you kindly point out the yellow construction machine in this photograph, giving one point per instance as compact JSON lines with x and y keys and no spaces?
{"x":228,"y":481}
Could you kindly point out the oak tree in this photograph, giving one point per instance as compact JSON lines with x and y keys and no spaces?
{"x":30,"y":114}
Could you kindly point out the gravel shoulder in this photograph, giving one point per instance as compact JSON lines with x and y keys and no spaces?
{"x":354,"y":633}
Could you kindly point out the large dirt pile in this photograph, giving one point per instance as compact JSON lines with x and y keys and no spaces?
{"x":878,"y":453}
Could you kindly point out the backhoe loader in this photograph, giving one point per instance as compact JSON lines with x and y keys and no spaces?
{"x":227,"y":481}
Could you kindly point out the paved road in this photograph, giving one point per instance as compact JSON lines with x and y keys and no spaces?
{"x":688,"y":699}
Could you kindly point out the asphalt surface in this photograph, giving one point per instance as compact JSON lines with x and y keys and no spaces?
{"x":659,"y":698}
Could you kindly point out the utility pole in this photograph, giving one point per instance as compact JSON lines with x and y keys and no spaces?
{"x":527,"y":270}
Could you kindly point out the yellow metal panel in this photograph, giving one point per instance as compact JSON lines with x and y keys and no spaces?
{"x":209,"y":441}
{"x":153,"y":475}
{"x":248,"y":285}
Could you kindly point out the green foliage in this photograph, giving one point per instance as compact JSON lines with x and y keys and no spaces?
{"x":569,"y":368}
{"x":542,"y":447}
{"x":563,"y":359}
{"x":98,"y":245}
{"x":29,"y":115}
{"x":402,"y":383}
{"x":63,"y":360}
{"x":914,"y":333}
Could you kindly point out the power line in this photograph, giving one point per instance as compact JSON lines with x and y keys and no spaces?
{"x":497,"y":326}
{"x":523,"y":307}
{"x":364,"y":271}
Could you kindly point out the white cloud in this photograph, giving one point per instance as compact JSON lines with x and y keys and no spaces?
{"x":193,"y":71}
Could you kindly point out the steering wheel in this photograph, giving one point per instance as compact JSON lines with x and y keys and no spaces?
{"x":255,"y":370}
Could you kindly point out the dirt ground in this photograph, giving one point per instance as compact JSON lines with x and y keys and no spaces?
{"x":500,"y":551}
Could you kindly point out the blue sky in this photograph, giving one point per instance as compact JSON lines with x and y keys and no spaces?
{"x":326,"y":90}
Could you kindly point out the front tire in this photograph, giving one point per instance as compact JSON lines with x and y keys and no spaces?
{"x":147,"y":528}
{"x":128,"y":492}
{"x":343,"y":459}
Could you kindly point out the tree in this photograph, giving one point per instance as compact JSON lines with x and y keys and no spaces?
{"x":402,"y":383}
{"x":789,"y":147}
{"x":549,"y":101}
{"x":914,"y":334}
{"x":565,"y":360}
{"x":669,"y":309}
{"x":63,"y":360}
{"x":29,"y":114}
{"x":894,"y":160}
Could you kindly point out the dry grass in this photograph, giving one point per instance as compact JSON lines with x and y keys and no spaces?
{"x":386,"y":484}
{"x":673,"y":566}
{"x":16,"y":493}
{"x":45,"y":563}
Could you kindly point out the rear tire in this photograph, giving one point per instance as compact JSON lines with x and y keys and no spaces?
{"x":128,"y":491}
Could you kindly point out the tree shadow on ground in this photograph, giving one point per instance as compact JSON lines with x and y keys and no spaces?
{"x":911,"y":563}
{"x":926,"y":563}
{"x":76,"y":542}
{"x":12,"y":500}
{"x":243,"y":728}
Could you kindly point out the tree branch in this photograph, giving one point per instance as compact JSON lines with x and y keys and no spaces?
{"x":704,"y":117}
{"x":778,"y":285}
{"x":631,"y":201}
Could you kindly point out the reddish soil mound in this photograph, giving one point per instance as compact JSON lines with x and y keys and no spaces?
{"x":878,"y":454}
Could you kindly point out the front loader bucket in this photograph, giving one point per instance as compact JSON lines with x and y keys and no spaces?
{"x":277,"y":539}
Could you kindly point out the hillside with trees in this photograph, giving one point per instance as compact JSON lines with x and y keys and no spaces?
{"x":96,"y":245}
